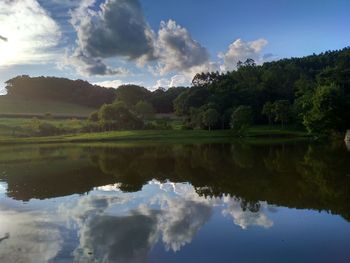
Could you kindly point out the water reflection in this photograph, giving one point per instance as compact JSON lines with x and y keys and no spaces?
{"x":112,"y":226}
{"x":153,"y":203}
{"x":293,"y":175}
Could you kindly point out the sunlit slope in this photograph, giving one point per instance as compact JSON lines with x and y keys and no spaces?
{"x":30,"y":107}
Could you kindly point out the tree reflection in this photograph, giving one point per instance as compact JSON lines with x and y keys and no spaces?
{"x":296,"y":175}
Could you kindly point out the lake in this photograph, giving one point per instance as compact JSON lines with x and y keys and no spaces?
{"x":234,"y":202}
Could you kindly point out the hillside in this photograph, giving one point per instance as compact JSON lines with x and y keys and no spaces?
{"x":20,"y":106}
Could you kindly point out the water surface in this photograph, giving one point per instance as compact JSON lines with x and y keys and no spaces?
{"x":241,"y":202}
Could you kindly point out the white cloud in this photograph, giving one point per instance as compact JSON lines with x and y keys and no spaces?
{"x":110,"y":83}
{"x":241,"y":50}
{"x":175,"y":81}
{"x":31,"y":33}
{"x":177,"y":50}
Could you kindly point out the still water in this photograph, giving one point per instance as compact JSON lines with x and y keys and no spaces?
{"x":241,"y":202}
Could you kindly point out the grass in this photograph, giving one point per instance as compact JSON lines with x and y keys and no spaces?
{"x":174,"y":136}
{"x":16,"y":106}
{"x":21,"y":126}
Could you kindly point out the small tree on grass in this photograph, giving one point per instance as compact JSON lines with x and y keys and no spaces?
{"x":94,"y":116}
{"x":269,"y":111}
{"x":210,"y":117}
{"x":282,"y":110}
{"x":241,"y":118}
{"x":117,"y":116}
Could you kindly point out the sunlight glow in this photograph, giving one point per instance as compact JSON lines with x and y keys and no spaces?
{"x":29,"y":31}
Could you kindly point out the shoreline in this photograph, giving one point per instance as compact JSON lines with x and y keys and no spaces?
{"x":158,"y":136}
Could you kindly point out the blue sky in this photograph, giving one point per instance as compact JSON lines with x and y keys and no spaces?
{"x":161,"y":42}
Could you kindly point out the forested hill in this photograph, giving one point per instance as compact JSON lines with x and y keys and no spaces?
{"x":313,"y":91}
{"x":83,"y":93}
{"x":59,"y":89}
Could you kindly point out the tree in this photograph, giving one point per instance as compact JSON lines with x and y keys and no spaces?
{"x":131,"y":94}
{"x":144,"y":109}
{"x":210,"y":117}
{"x":94,"y":116}
{"x":242,"y":118}
{"x":282,"y":109}
{"x":117,"y":116}
{"x":330,"y":111}
{"x":269,"y":111}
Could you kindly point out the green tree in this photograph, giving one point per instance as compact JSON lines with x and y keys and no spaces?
{"x":117,"y":116}
{"x":144,"y":109}
{"x":241,"y":118}
{"x":282,"y":110}
{"x":94,"y":116}
{"x":210,"y":117}
{"x":329,"y":110}
{"x":269,"y":111}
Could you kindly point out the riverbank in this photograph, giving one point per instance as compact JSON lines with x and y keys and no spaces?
{"x":262,"y":132}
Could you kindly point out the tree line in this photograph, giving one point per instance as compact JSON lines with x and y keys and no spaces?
{"x":311,"y":92}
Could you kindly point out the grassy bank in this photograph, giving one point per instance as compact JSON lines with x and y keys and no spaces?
{"x":175,"y":136}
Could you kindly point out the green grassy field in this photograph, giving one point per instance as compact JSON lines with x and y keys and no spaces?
{"x":174,"y":136}
{"x":28,"y":107}
{"x":22,"y":126}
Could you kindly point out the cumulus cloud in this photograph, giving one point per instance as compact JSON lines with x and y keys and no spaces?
{"x":30,"y":32}
{"x":241,"y":50}
{"x":175,"y":81}
{"x":110,"y":83}
{"x":177,"y":50}
{"x":118,"y":29}
{"x":88,"y":65}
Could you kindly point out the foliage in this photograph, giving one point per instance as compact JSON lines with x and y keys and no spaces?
{"x":282,"y":111}
{"x":330,"y":110}
{"x":144,"y":109}
{"x":94,"y":116}
{"x":117,"y":116}
{"x":242,"y":118}
{"x":283,"y":91}
{"x":59,"y":89}
{"x":269,"y":111}
{"x":210,"y":117}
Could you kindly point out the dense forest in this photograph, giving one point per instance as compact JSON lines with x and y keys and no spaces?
{"x":311,"y":92}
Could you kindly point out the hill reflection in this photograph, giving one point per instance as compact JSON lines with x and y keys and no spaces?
{"x":294,"y":175}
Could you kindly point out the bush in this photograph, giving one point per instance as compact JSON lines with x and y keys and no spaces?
{"x":47,"y":129}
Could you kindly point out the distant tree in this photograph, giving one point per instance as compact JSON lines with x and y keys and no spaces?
{"x":132,"y":94}
{"x":282,"y":111}
{"x":242,"y":118}
{"x":94,"y":116}
{"x":269,"y":111}
{"x":210,"y":117}
{"x":48,"y":115}
{"x":144,"y":109}
{"x":59,"y":89}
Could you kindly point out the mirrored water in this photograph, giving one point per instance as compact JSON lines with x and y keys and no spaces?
{"x":241,"y":202}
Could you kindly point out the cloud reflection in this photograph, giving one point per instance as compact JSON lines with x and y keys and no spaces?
{"x":108,"y":225}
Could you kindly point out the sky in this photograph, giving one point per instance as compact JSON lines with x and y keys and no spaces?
{"x":161,"y":43}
